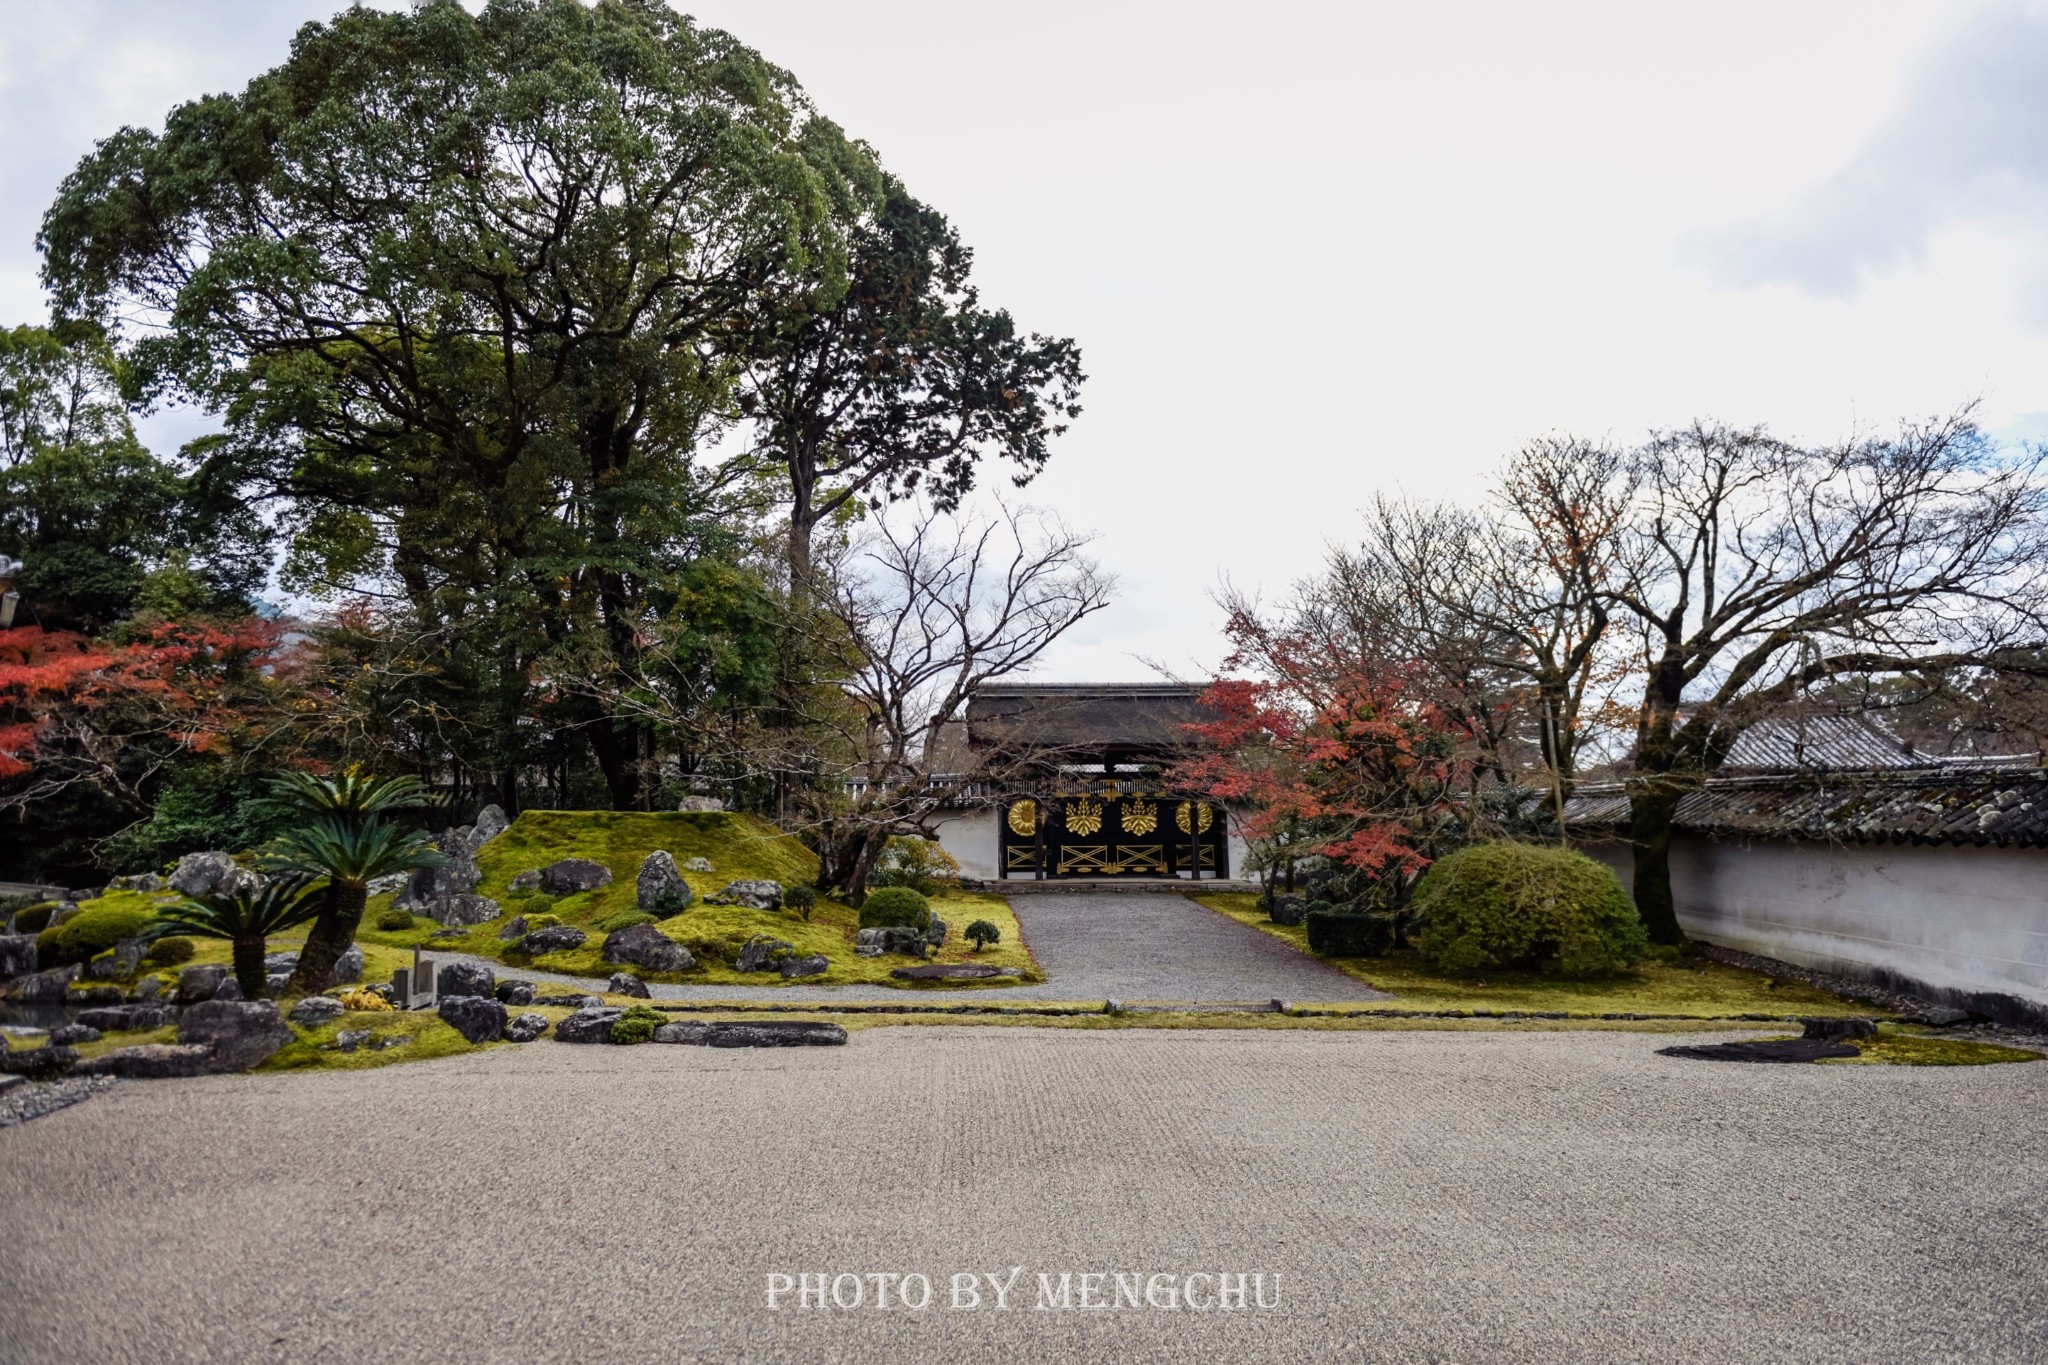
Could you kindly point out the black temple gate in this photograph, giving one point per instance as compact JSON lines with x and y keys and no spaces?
{"x":1112,"y":834}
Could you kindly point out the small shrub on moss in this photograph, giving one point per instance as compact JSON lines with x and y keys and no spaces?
{"x":1337,"y":934}
{"x":543,"y":922}
{"x":723,"y":949}
{"x":801,"y":898}
{"x":169,"y":952}
{"x":981,"y":933}
{"x":1549,"y":910}
{"x":637,"y":1025}
{"x":624,"y":919}
{"x":895,"y":905}
{"x":395,"y":921}
{"x":671,"y":901}
{"x":35,"y":919}
{"x":88,"y":934}
{"x":363,"y":1000}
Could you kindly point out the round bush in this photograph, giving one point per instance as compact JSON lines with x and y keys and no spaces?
{"x":893,"y":906}
{"x":89,"y":933}
{"x":981,"y":933}
{"x":801,"y":898}
{"x":637,"y":1025}
{"x":169,"y":952}
{"x":1520,"y":906}
{"x":35,"y":919}
{"x":395,"y":921}
{"x":624,"y":919}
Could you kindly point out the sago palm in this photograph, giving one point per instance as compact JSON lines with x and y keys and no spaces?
{"x":350,"y":795}
{"x":349,"y":856}
{"x":245,"y":918}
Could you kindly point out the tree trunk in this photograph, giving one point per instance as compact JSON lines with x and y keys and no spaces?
{"x":334,"y":931}
{"x":618,"y":755}
{"x":249,"y":971}
{"x":1650,"y":816}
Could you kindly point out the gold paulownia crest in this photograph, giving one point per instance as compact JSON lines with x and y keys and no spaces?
{"x":1205,"y":815}
{"x":1084,"y":817}
{"x":1140,"y":817}
{"x":1024,"y":818}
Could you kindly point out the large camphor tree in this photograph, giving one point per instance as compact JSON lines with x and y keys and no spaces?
{"x":466,"y":291}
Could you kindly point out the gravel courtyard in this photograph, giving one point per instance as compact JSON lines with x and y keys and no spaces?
{"x":1422,"y":1195}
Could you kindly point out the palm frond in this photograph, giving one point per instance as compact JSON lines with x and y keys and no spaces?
{"x":334,"y":848}
{"x":349,"y":795}
{"x":246,"y":913}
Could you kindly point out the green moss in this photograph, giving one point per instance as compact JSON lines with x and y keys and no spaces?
{"x":1684,"y":985}
{"x":98,"y":926}
{"x":430,"y":1038}
{"x":637,"y":1025}
{"x":1896,"y":1047}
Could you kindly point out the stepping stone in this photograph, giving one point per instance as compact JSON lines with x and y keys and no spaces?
{"x":951,"y":971}
{"x":766,"y":1033}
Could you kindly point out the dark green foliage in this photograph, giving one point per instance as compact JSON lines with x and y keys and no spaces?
{"x":919,"y":864}
{"x":624,"y":919}
{"x":1335,"y":934}
{"x":895,"y":905}
{"x":89,"y":933}
{"x":638,"y":1024}
{"x":1521,"y":906}
{"x":395,"y":921}
{"x":170,"y":952}
{"x":981,"y":933}
{"x":724,"y":949}
{"x":34,"y":919}
{"x":199,"y":808}
{"x":801,"y":898}
{"x":668,"y":903}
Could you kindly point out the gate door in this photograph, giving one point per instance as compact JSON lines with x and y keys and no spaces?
{"x":1111,"y":835}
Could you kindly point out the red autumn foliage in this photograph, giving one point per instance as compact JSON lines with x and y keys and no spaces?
{"x":1328,"y":752}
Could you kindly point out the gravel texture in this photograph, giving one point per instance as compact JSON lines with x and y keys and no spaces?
{"x":1425,"y":1196}
{"x":1100,"y":947}
{"x":37,"y":1098}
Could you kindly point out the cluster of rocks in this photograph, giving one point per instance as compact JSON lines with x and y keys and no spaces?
{"x":593,"y":1024}
{"x":752,"y":893}
{"x":213,"y":1036}
{"x":901,"y":939}
{"x":471,"y":1000}
{"x":447,"y":893}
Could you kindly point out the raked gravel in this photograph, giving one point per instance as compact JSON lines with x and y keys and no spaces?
{"x":1425,"y":1196}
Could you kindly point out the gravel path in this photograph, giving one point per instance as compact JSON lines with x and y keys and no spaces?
{"x":1097,"y":947}
{"x":1472,"y":1197}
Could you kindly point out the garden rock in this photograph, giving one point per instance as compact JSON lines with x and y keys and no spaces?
{"x":200,"y":982}
{"x":698,"y":865}
{"x":150,"y":1062}
{"x":526,"y":1028}
{"x":280,"y":962}
{"x":951,"y":971}
{"x":125,"y":1018}
{"x":700,"y":805}
{"x":230,"y":989}
{"x":448,"y":933}
{"x":658,"y":876}
{"x":50,"y":985}
{"x":582,"y":1002}
{"x":240,"y":1032}
{"x":118,"y":963}
{"x":893,"y":938}
{"x":769,"y":1033}
{"x":528,"y":880}
{"x":1942,"y":1016}
{"x":1837,"y":1030}
{"x":474,"y":1017}
{"x":390,"y":884}
{"x":624,"y":983}
{"x":96,"y":995}
{"x":65,"y":910}
{"x":17,"y":955}
{"x":349,"y":1039}
{"x":936,"y":933}
{"x":70,"y":1035}
{"x":1288,"y":910}
{"x":465,"y":908}
{"x":465,"y":978}
{"x":147,"y":989}
{"x":754,"y":894}
{"x":275,"y":983}
{"x":392,"y":1040}
{"x":643,"y":945}
{"x":760,"y":955}
{"x":39,"y":1063}
{"x":141,"y":881}
{"x":571,"y":875}
{"x":589,"y":1025}
{"x":515,"y":992}
{"x":804,"y":966}
{"x":515,"y":929}
{"x":348,"y":967}
{"x":207,"y":874}
{"x":558,"y":939}
{"x":316,"y":1010}
{"x":490,"y":823}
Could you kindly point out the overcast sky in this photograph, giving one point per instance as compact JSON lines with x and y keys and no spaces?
{"x":1310,"y":251}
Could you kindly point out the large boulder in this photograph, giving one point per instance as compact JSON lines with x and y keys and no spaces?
{"x":528,"y":880}
{"x":464,"y":908}
{"x":17,"y":955}
{"x":660,"y":885}
{"x":762,"y":955}
{"x":429,"y":886}
{"x":38,"y":1063}
{"x":765,"y":1033}
{"x":514,"y":992}
{"x":526,"y":1028}
{"x":490,"y":823}
{"x":150,"y":1062}
{"x":474,"y":1017}
{"x":570,"y":875}
{"x":209,"y":874}
{"x":316,"y":1010}
{"x":50,"y":985}
{"x":71,"y":1035}
{"x":592,"y":1024}
{"x":465,"y":978}
{"x":753,"y":893}
{"x":814,"y":965}
{"x":240,"y":1032}
{"x":643,"y":945}
{"x":199,"y":982}
{"x":892,"y":938}
{"x":556,"y":939}
{"x":625,"y":983}
{"x":700,"y":805}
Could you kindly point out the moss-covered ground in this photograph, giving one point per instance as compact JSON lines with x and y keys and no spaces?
{"x":739,"y":847}
{"x":1673,"y":984}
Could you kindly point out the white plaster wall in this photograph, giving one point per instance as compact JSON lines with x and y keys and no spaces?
{"x":1958,"y":918}
{"x":970,"y":836}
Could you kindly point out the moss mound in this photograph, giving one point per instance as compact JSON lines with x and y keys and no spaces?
{"x":91,"y":932}
{"x":894,"y":906}
{"x":1518,"y":906}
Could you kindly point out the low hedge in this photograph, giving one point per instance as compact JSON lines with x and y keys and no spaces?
{"x":1541,"y":909}
{"x":894,"y":906}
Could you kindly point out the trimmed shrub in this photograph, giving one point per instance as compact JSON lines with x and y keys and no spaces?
{"x":624,"y":919}
{"x":88,"y":934}
{"x":670,"y":901}
{"x":395,"y":921}
{"x":35,"y":919}
{"x":637,"y":1025}
{"x":801,"y":898}
{"x":1336,"y":934}
{"x":981,"y":933}
{"x":895,"y":905}
{"x":1549,"y":910}
{"x":169,"y":952}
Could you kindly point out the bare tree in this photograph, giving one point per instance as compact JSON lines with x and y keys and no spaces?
{"x":1756,"y":569}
